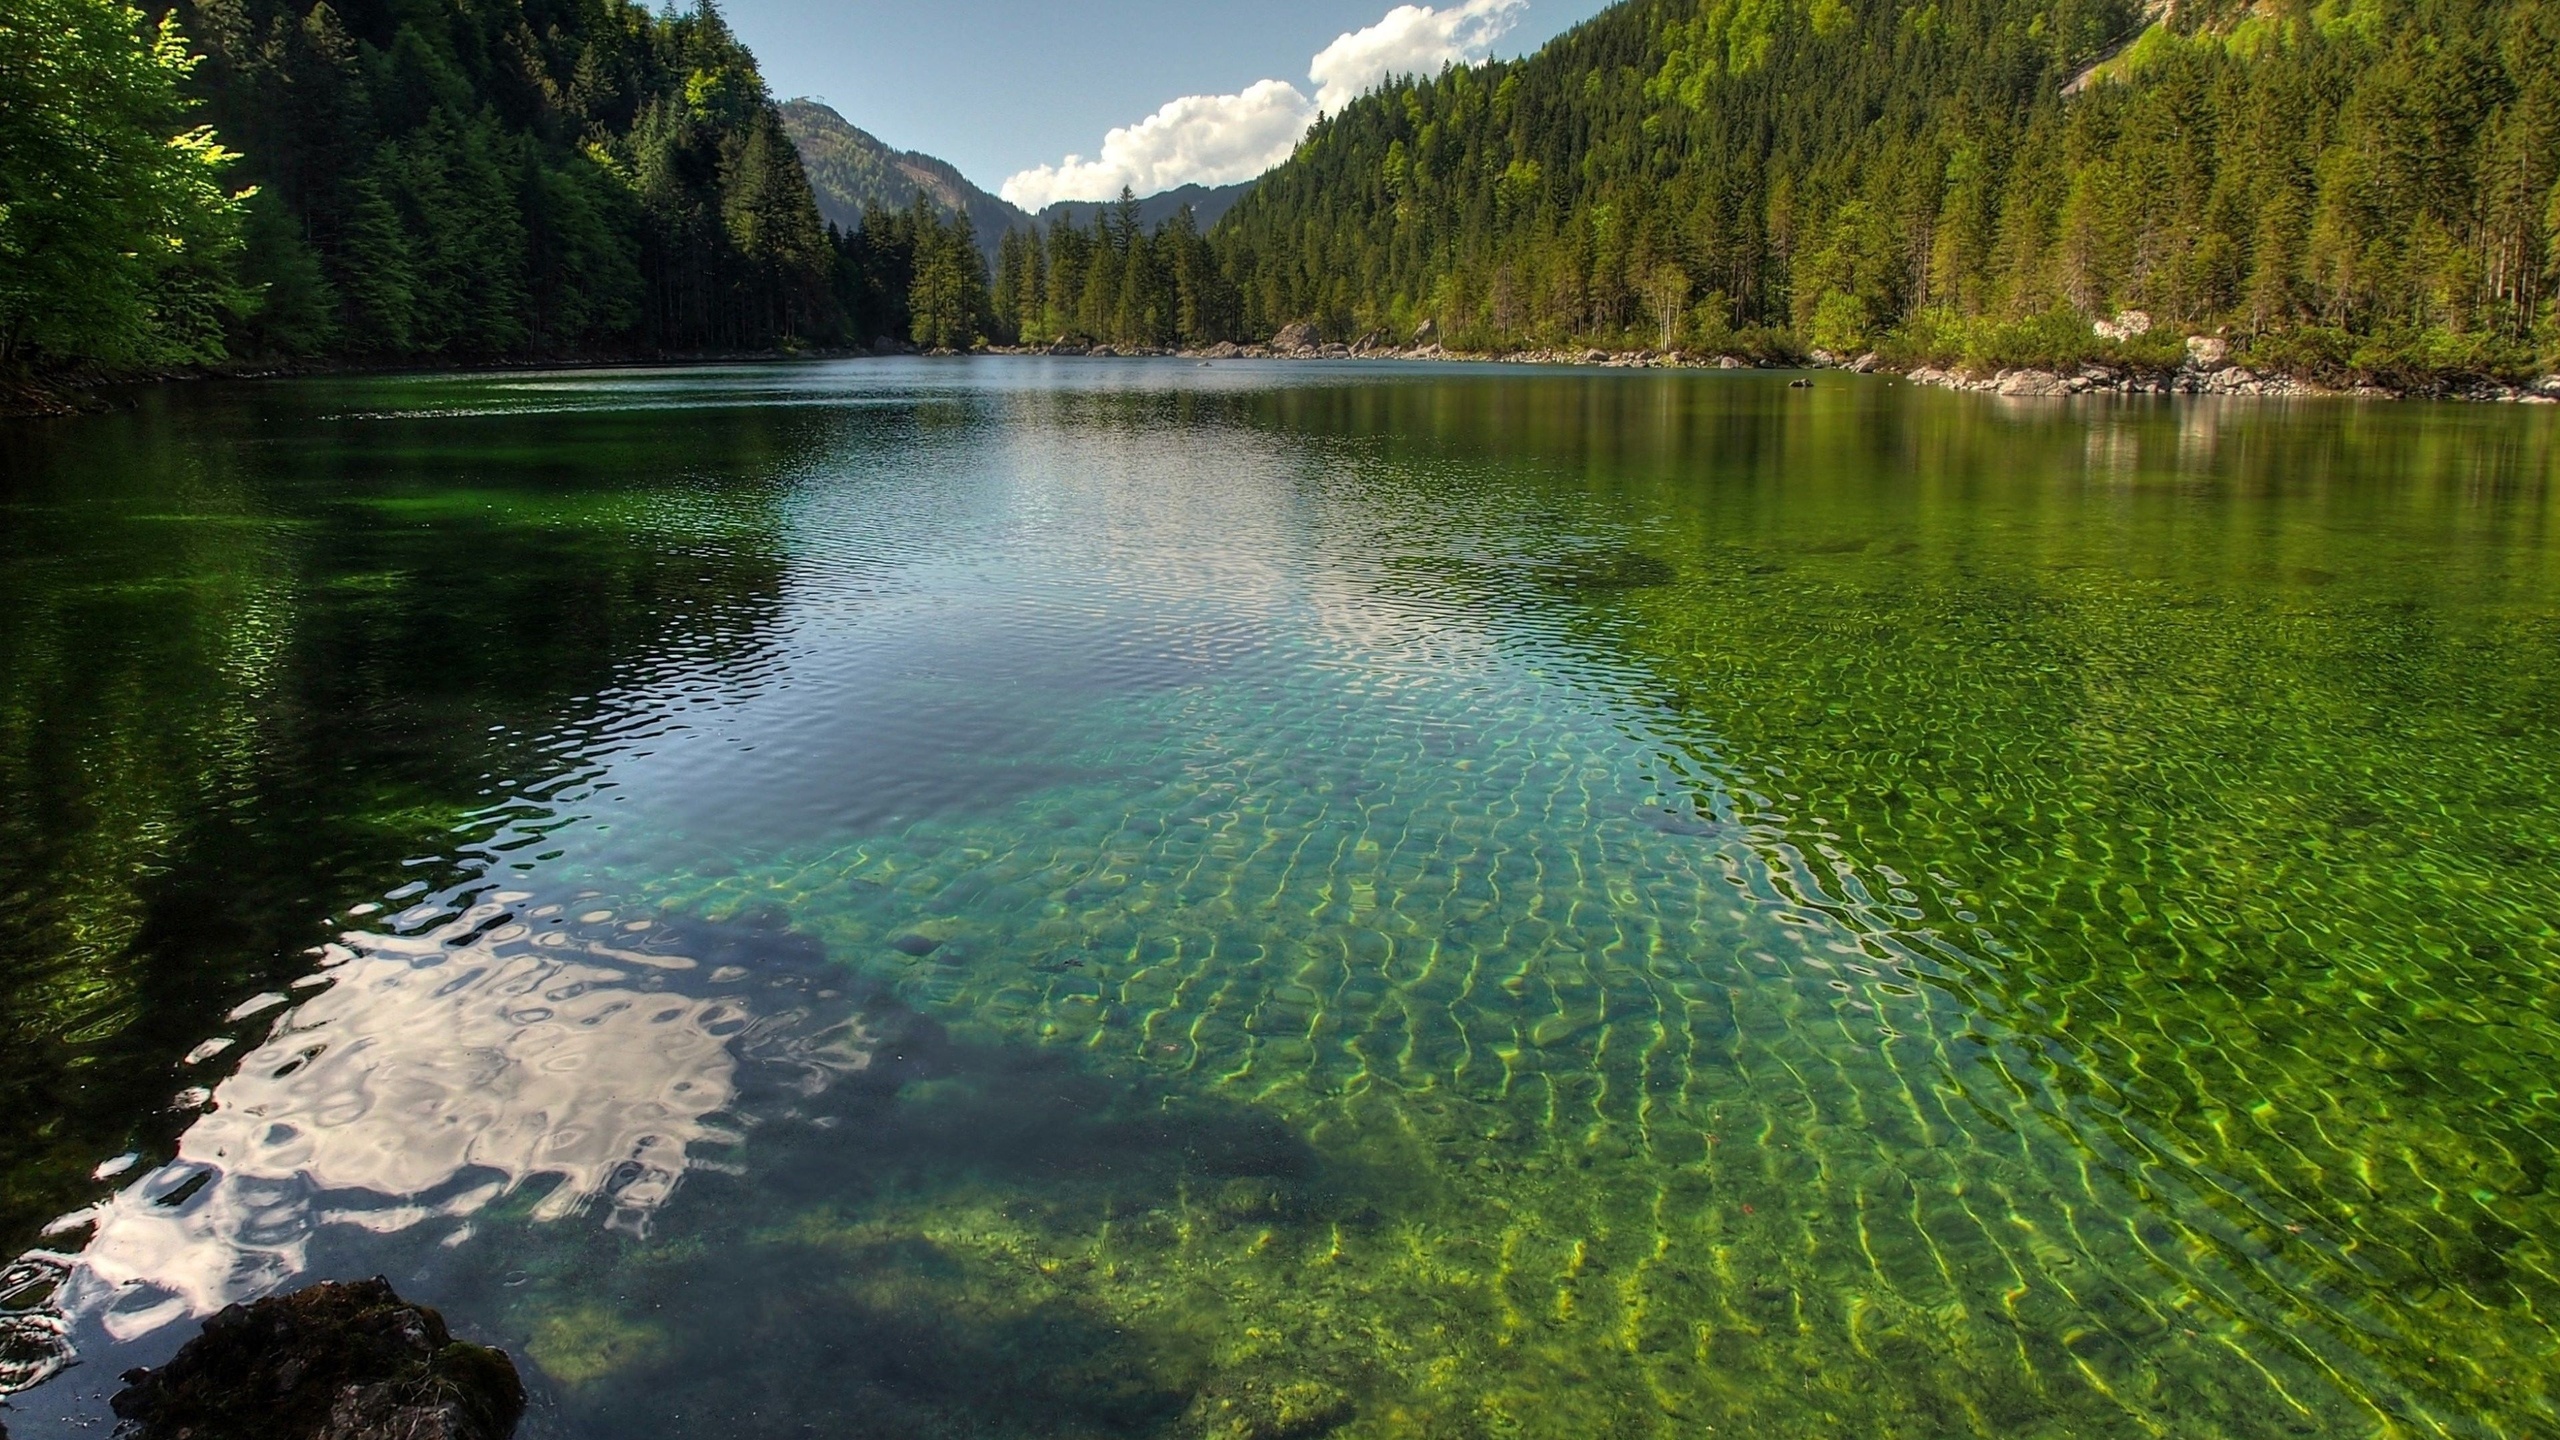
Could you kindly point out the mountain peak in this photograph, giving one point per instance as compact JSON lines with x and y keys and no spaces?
{"x":1207,"y":204}
{"x":853,"y":171}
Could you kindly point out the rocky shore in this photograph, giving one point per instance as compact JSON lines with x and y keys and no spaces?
{"x":24,"y":397}
{"x":1300,"y":342}
{"x":2207,"y":369}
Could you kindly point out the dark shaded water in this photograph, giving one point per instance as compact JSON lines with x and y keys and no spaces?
{"x":992,"y":898}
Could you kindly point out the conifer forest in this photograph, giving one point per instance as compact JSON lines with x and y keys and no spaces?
{"x":2356,"y":188}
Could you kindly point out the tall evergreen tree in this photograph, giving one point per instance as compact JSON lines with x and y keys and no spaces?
{"x":948,"y":305}
{"x":1117,"y":283}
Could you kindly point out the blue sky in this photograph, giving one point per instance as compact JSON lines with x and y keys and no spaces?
{"x":1003,"y":88}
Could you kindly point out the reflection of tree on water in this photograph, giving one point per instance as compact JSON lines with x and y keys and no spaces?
{"x":555,"y":1050}
{"x":449,"y":1098}
{"x":911,"y":1251}
{"x":430,"y":1075}
{"x":213,"y":723}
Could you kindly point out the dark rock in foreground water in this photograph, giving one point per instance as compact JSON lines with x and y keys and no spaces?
{"x":344,"y":1362}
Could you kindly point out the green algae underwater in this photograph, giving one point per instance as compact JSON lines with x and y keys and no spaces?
{"x":1117,"y":899}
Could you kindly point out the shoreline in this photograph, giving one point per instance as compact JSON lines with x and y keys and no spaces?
{"x":2205,"y":372}
{"x":27,"y":397}
{"x":2218,"y":379}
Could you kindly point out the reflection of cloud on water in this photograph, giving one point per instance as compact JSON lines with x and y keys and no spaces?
{"x":435,"y":1074}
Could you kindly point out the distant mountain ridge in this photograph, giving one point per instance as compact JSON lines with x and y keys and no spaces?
{"x":1207,"y":204}
{"x":852,"y":171}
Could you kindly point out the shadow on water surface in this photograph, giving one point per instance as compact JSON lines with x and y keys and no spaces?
{"x":702,"y":1178}
{"x":873,"y":1264}
{"x":256,"y":665}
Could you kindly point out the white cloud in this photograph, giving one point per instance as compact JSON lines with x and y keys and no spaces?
{"x":1207,"y":139}
{"x":1412,"y":40}
{"x":1220,"y":139}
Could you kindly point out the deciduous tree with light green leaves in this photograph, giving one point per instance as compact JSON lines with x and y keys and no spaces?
{"x":116,"y":230}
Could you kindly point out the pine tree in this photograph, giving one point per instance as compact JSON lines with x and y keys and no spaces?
{"x":291,"y":309}
{"x":947,"y":298}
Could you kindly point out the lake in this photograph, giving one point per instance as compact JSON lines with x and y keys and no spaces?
{"x":1014,"y":897}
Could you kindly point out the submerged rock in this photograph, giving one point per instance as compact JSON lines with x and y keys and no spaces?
{"x":1609,"y":570}
{"x":333,"y":1362}
{"x":1256,"y":1410}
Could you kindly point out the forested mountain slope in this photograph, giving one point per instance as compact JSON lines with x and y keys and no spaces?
{"x":426,"y":181}
{"x":855,"y":174}
{"x":2356,"y":185}
{"x":459,"y":179}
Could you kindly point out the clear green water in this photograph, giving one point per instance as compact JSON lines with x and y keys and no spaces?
{"x":1016,"y":898}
